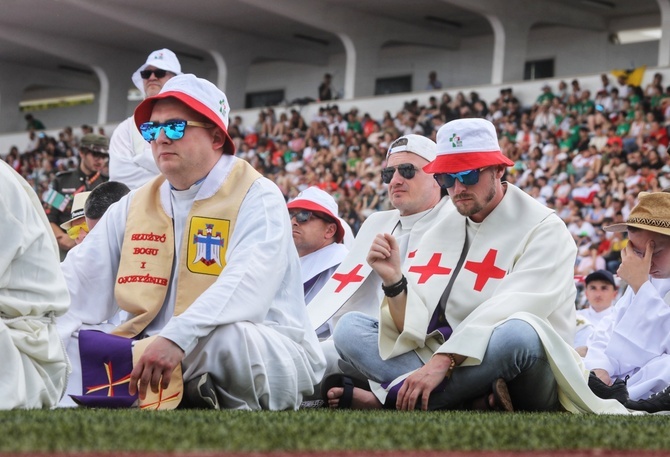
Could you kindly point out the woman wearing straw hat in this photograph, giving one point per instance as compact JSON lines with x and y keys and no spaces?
{"x":635,"y":345}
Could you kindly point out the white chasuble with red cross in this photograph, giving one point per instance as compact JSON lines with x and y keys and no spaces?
{"x":502,"y":273}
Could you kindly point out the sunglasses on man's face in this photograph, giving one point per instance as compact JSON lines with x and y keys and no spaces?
{"x":406,"y":170}
{"x":174,"y":129}
{"x":467,"y":178}
{"x":304,"y":215}
{"x":146,"y":74}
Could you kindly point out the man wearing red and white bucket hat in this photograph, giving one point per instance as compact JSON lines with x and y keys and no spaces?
{"x":483,"y":314}
{"x":318,"y":234}
{"x":202,"y":259}
{"x":130,"y":158}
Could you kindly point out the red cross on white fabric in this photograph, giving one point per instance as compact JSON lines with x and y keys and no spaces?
{"x":431,"y":268}
{"x":346,"y":278}
{"x":485,"y":269}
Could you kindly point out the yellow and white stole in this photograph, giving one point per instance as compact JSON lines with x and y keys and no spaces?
{"x":147,"y":253}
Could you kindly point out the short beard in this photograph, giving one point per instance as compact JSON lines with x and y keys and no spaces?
{"x":480,"y":206}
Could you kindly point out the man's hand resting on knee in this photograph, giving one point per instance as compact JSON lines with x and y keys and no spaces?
{"x":160,"y":358}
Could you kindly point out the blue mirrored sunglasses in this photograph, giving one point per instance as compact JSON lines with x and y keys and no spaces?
{"x":467,"y":178}
{"x":174,"y":129}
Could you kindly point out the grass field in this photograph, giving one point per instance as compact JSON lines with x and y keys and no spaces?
{"x":80,"y":430}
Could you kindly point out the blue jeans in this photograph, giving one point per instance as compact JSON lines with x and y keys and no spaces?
{"x":514,"y":353}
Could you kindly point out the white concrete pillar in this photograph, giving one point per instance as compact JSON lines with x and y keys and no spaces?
{"x":509,"y":49}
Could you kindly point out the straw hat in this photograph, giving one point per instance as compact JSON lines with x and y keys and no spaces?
{"x":651,"y":213}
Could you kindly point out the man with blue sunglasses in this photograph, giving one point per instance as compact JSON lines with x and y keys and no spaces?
{"x":130,"y":158}
{"x":483,"y":315}
{"x":200,"y":259}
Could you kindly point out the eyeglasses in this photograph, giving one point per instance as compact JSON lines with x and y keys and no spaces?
{"x":467,"y":178}
{"x":146,"y":74}
{"x":406,"y":170}
{"x":174,"y":130}
{"x":73,"y":232}
{"x":304,"y":215}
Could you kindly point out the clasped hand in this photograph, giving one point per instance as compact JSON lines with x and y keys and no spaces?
{"x":384,"y":258}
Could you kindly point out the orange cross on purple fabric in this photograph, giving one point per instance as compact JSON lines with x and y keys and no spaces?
{"x":431,"y":268}
{"x":485,"y":269}
{"x":110,"y":382}
{"x":346,"y":278}
{"x":157,"y":404}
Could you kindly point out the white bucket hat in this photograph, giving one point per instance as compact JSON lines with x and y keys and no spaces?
{"x":466,"y":144}
{"x":419,"y":145}
{"x":163,"y":59}
{"x":199,"y":95}
{"x":315,"y":199}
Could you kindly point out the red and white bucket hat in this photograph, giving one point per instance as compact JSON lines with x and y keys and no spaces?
{"x":315,"y":199}
{"x":466,"y":144}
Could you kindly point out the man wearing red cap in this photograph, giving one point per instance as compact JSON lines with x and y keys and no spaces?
{"x":202,"y":260}
{"x":484,"y":310}
{"x":130,"y":159}
{"x":318,"y":234}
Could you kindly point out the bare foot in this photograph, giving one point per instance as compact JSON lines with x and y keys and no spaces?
{"x":362,"y":399}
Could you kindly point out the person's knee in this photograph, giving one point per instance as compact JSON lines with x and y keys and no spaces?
{"x":515,"y":335}
{"x":349,"y":332}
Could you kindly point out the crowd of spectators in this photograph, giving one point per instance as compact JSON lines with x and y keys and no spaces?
{"x":586,"y":152}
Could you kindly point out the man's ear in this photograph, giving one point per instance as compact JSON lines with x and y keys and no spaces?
{"x":331,"y":230}
{"x":218,"y":138}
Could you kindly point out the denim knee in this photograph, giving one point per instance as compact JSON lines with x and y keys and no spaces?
{"x":351,"y":331}
{"x":516,"y":335}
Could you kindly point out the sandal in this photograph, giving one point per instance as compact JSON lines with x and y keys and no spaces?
{"x":346,"y":382}
{"x":501,"y":399}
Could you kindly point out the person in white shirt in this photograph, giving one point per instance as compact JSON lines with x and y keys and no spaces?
{"x":318,"y":234}
{"x":601,"y":293}
{"x":202,"y":262}
{"x":483,"y":311}
{"x":632,"y":346}
{"x":130,"y":159}
{"x":418,"y":204}
{"x":32,"y":293}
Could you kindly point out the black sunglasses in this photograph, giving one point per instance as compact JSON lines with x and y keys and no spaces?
{"x":146,"y":74}
{"x":304,"y":215}
{"x":406,"y":170}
